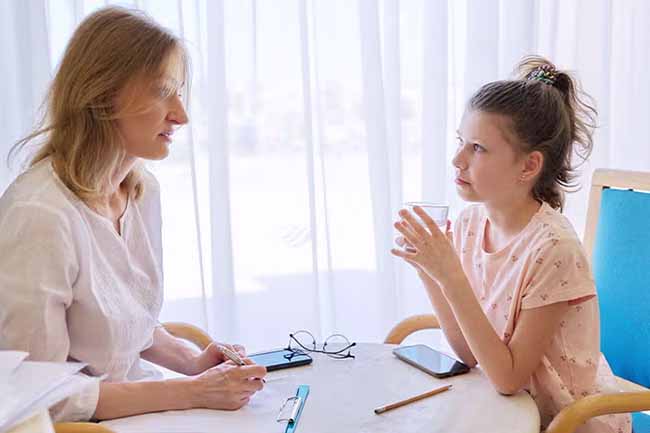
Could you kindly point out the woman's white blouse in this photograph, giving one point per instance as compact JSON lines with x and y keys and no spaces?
{"x":72,"y":288}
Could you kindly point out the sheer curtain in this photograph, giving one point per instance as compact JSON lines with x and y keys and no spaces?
{"x":313,"y":120}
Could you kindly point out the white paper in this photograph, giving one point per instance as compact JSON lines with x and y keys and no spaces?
{"x":9,"y":361}
{"x":35,"y":386}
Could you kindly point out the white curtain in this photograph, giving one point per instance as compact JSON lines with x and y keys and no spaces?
{"x":313,"y":120}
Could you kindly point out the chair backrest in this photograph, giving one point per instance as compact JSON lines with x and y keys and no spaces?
{"x":617,"y":238}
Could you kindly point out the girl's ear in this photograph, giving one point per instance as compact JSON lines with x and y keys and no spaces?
{"x":533,"y":164}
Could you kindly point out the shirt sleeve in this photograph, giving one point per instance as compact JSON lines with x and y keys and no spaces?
{"x":559,"y":272}
{"x":38,"y":268}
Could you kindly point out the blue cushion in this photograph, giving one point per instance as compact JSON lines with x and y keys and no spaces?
{"x":640,"y":423}
{"x":621,"y":266}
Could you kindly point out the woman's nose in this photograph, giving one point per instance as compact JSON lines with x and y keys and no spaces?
{"x":177,"y":113}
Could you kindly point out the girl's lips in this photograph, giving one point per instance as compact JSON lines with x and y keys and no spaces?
{"x":460,"y":181}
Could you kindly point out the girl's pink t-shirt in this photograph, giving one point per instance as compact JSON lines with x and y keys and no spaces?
{"x":544,"y":264}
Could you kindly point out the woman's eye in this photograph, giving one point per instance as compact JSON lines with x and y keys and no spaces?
{"x":459,"y":141}
{"x":477,"y":148}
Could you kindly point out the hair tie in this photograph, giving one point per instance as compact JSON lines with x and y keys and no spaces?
{"x":547,"y":74}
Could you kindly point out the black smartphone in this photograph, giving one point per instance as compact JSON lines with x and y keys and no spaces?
{"x":281,"y":358}
{"x":430,"y":361}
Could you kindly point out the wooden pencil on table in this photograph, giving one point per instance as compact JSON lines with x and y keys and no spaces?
{"x":392,"y":406}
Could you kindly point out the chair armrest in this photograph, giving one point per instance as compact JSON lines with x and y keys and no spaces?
{"x":80,"y":427}
{"x":410,"y":325}
{"x":188,"y":332}
{"x":573,"y":416}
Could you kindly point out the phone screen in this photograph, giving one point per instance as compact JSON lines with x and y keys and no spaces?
{"x":430,"y":360}
{"x":278,"y":359}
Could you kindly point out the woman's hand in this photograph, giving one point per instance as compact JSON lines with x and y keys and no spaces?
{"x":212,"y":355}
{"x":429,"y":251}
{"x":227,"y":386}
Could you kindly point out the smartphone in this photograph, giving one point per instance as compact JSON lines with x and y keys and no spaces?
{"x":281,"y":358}
{"x":430,"y":361}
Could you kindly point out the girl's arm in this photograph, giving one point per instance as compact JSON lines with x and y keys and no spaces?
{"x":509,"y":366}
{"x":447,"y":320}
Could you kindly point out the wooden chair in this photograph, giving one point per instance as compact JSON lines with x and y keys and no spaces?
{"x":617,"y":240}
{"x":181,"y":330}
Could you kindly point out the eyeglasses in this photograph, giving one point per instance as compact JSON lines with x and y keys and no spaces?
{"x":336,"y":346}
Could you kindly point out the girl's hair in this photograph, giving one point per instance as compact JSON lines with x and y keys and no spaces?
{"x":112,"y":49}
{"x":548,"y":114}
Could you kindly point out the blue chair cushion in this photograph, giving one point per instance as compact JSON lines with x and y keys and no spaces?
{"x":640,"y":423}
{"x":621,"y":266}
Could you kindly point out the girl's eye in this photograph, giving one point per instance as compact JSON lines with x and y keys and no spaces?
{"x":477,"y":148}
{"x":459,"y":141}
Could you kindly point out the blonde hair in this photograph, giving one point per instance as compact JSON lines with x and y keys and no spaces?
{"x":108,"y":52}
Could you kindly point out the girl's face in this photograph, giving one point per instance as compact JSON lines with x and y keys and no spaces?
{"x":487,"y":167}
{"x":157,"y":111}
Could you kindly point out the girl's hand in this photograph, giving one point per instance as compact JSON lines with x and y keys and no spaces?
{"x":226,"y":386}
{"x":430,"y":250}
{"x":406,"y":245}
{"x":212,"y":355}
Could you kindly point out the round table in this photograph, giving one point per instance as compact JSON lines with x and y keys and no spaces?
{"x":343,"y":395}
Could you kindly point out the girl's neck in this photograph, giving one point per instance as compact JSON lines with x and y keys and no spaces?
{"x":508,"y":219}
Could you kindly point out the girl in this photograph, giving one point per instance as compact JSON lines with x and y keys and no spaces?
{"x":80,"y":230}
{"x":514,"y":292}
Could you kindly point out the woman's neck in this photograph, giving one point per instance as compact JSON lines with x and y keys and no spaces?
{"x":113,"y":202}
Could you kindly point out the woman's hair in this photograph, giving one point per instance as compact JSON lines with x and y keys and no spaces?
{"x":112,"y":49}
{"x":548,"y":114}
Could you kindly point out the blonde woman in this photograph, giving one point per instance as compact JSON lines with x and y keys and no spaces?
{"x":80,"y":230}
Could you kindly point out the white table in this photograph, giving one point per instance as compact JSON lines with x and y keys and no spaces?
{"x":342,"y":398}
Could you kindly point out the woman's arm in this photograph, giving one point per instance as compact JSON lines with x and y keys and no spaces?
{"x":175,"y":354}
{"x":225,"y":386}
{"x":172,"y":353}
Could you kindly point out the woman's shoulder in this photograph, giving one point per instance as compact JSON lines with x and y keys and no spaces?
{"x":38,"y":187}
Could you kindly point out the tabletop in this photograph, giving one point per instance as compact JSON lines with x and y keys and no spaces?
{"x":343,"y":395}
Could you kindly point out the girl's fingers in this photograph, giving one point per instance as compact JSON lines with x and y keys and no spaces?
{"x":430,"y":223}
{"x":409,"y":236}
{"x":449,"y":233}
{"x":403,"y":254}
{"x":413,"y":223}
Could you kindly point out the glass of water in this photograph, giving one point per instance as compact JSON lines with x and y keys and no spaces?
{"x":437,"y":212}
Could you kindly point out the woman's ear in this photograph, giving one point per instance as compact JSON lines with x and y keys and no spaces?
{"x":533,"y":164}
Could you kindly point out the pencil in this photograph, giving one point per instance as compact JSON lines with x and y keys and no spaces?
{"x":392,"y":406}
{"x":234,"y":357}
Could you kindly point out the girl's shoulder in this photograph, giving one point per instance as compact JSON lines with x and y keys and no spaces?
{"x":549,"y":223}
{"x":551,"y":233}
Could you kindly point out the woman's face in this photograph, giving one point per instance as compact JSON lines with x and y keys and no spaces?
{"x":155,"y":110}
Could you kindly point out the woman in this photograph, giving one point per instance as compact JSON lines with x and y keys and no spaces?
{"x":80,"y":230}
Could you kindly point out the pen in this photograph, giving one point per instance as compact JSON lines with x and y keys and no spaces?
{"x":234,"y":357}
{"x":411,"y":400}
